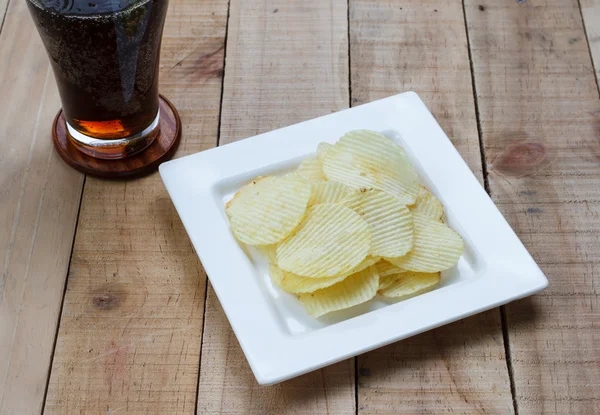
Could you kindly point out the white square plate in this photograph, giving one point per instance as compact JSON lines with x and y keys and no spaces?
{"x":279,"y":338}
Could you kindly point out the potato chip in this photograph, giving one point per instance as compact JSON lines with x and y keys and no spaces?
{"x":428,"y":204}
{"x":331,"y":240}
{"x":327,"y":192}
{"x":371,"y":160}
{"x":385,"y":268}
{"x":293,"y":283}
{"x":406,"y":285}
{"x":268,"y":209}
{"x":270,"y":252}
{"x":322,"y":149}
{"x":390,"y":221}
{"x":388,"y":280}
{"x":356,"y":289}
{"x":311,"y":169}
{"x":276,"y":274}
{"x":436,"y":247}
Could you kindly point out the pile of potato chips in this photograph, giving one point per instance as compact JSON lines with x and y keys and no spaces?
{"x":349,"y":223}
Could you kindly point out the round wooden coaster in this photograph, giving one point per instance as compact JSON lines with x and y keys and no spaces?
{"x":161,"y":149}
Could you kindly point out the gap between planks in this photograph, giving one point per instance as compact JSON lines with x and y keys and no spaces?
{"x":62,"y":301}
{"x":592,"y":19}
{"x":218,"y":143}
{"x":486,"y":185}
{"x":3,"y":10}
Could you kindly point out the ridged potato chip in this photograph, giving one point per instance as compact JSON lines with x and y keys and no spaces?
{"x":331,"y":240}
{"x":428,"y":204}
{"x":293,"y":283}
{"x":385,"y":268}
{"x":327,"y":192}
{"x":311,"y":169}
{"x":276,"y":274}
{"x":268,"y":209}
{"x":436,"y":247}
{"x":356,"y":289}
{"x":408,"y":284}
{"x":387,"y":281}
{"x":322,"y":149}
{"x":390,"y":221}
{"x":270,"y":252}
{"x":371,"y":160}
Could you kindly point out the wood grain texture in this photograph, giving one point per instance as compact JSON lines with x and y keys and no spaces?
{"x":286,"y":62}
{"x":129,"y":337}
{"x":540,"y":121}
{"x":590,"y":10}
{"x":397,"y":46}
{"x":39,"y":201}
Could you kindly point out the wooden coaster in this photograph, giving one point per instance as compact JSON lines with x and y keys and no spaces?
{"x":139,"y":164}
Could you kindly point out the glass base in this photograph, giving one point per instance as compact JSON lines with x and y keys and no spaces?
{"x":114,"y":149}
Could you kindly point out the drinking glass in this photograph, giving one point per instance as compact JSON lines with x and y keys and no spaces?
{"x":105,"y":58}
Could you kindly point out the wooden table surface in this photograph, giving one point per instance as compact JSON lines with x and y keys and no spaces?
{"x":105,"y":308}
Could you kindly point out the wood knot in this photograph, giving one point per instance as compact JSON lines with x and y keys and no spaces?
{"x":520,"y":159}
{"x":200,"y":66}
{"x":106,"y":301}
{"x":210,"y":65}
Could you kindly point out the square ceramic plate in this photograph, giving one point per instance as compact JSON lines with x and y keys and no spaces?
{"x":279,"y":338}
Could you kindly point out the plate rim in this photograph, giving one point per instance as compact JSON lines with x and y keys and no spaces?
{"x":218,"y":166}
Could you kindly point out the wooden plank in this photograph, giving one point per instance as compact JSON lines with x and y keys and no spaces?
{"x":39,"y":201}
{"x":540,"y":118}
{"x":403,"y":45}
{"x":129,"y":337}
{"x":286,"y":62}
{"x":590,"y":11}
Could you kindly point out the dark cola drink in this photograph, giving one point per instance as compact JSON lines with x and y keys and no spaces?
{"x":105,"y":57}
